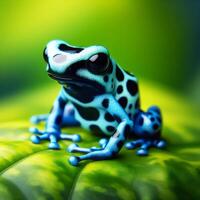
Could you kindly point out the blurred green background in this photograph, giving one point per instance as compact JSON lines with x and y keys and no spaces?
{"x":156,"y":40}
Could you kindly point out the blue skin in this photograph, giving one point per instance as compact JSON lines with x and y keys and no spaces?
{"x":99,"y":96}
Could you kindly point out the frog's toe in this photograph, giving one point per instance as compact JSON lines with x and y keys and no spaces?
{"x":161,"y":144}
{"x":35,"y":139}
{"x":76,"y":138}
{"x":54,"y":145}
{"x":74,"y":160}
{"x":142,"y":152}
{"x":35,"y":131}
{"x":72,"y":147}
{"x":130,"y":145}
{"x":103,"y":142}
{"x":34,"y":120}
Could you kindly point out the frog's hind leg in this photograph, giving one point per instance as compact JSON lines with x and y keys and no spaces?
{"x":73,"y":148}
{"x":147,"y":127}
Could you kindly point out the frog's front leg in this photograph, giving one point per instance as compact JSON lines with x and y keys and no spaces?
{"x":115,"y":143}
{"x":147,"y":127}
{"x":52,"y":131}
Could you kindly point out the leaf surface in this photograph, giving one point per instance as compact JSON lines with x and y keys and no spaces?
{"x":30,"y":171}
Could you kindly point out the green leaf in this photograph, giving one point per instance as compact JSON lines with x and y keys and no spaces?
{"x":29,"y":171}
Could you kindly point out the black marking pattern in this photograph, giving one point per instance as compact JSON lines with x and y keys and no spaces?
{"x":130,"y":106}
{"x":127,"y":131}
{"x":119,"y":89}
{"x":58,"y":119}
{"x":120,"y":144}
{"x":119,"y":74}
{"x":61,"y":103}
{"x":87,"y":113}
{"x":117,"y":118}
{"x":141,"y":121}
{"x":123,"y":101}
{"x":137,"y":104}
{"x":105,"y":78}
{"x":95,"y":129}
{"x":155,"y":126}
{"x":108,"y":117}
{"x":132,"y":87}
{"x":64,"y":47}
{"x":105,"y":103}
{"x":110,"y":128}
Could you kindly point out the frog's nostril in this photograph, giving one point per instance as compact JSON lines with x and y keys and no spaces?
{"x":59,"y":58}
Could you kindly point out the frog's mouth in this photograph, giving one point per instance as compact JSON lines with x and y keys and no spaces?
{"x":79,"y":84}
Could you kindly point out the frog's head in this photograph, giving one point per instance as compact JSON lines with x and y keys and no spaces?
{"x":75,"y":67}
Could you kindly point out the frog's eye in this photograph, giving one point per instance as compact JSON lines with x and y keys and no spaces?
{"x":98,"y":63}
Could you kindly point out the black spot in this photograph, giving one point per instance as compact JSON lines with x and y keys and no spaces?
{"x":58,"y":119}
{"x":120,"y":144}
{"x":117,"y":118}
{"x":105,"y":78}
{"x":155,"y":126}
{"x":112,"y":80}
{"x":82,"y":95}
{"x":110,"y":68}
{"x":119,"y":89}
{"x":132,"y":87}
{"x":152,"y":119}
{"x":129,"y":115}
{"x":62,"y":103}
{"x":64,"y":47}
{"x":108,"y":117}
{"x":123,"y":101}
{"x":110,"y":128}
{"x":127,"y":131}
{"x":130,"y":106}
{"x":88,"y":113}
{"x":95,"y":129}
{"x":105,"y":103}
{"x":141,"y":121}
{"x":137,"y":103}
{"x":119,"y":74}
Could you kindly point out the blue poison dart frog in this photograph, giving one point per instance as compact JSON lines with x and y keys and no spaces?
{"x":98,"y":95}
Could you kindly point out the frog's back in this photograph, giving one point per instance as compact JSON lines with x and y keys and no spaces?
{"x":125,"y":91}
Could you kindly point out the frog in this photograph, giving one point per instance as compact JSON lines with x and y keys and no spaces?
{"x":98,"y":95}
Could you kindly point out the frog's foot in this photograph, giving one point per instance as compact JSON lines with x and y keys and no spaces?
{"x":36,"y":119}
{"x":74,"y":148}
{"x":53,"y":137}
{"x":98,"y":154}
{"x":93,"y":153}
{"x":144,"y":145}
